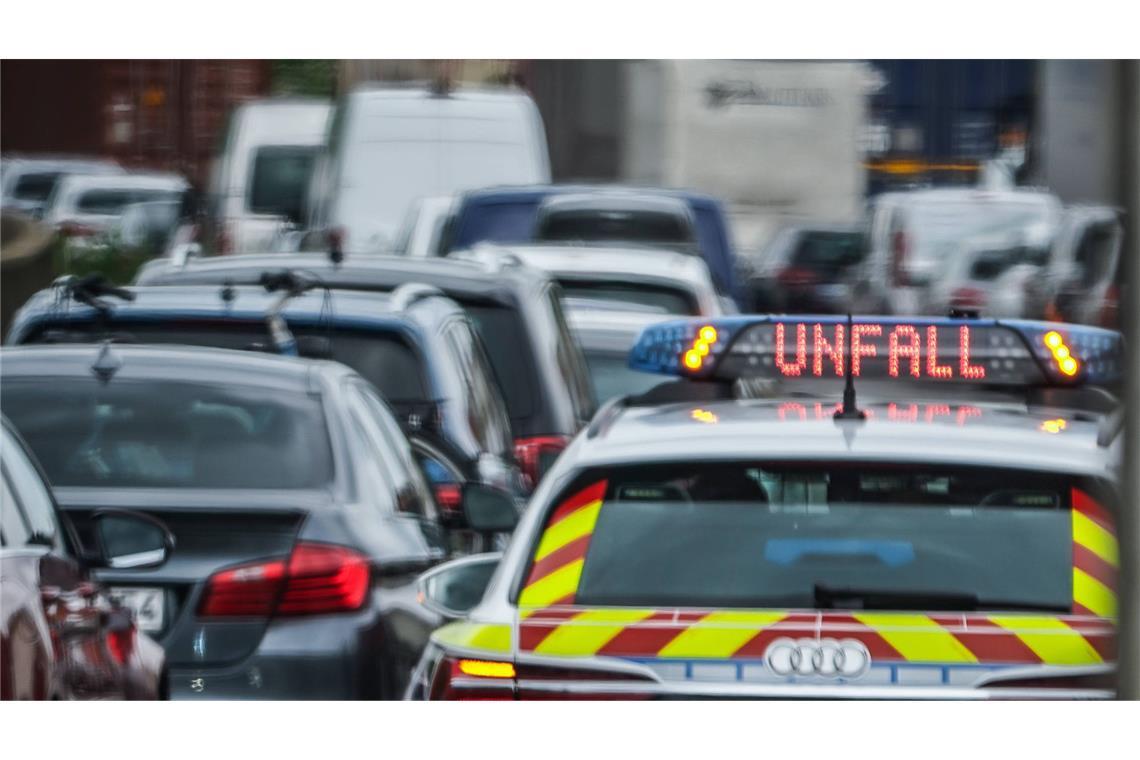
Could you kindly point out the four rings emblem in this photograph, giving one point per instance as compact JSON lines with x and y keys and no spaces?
{"x":845,"y":658}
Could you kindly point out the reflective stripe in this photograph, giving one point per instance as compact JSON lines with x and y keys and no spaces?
{"x":917,"y":637}
{"x":492,"y":637}
{"x":1093,"y":595}
{"x":589,"y":631}
{"x":1050,"y":639}
{"x":1095,"y":538}
{"x":553,"y":587}
{"x":720,"y":634}
{"x":578,"y":523}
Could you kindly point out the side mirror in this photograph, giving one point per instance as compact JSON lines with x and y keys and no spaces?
{"x":130,"y":540}
{"x":489,"y":510}
{"x":454,"y":588}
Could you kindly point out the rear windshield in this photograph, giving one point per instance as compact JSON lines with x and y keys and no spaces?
{"x":280,"y":179}
{"x":830,"y":535}
{"x":496,"y":223}
{"x":384,"y":359}
{"x":938,"y":228}
{"x":162,"y":434}
{"x":112,"y":202}
{"x":611,"y":376}
{"x":35,"y":187}
{"x":598,"y":225}
{"x":654,"y":298}
{"x":828,"y":252}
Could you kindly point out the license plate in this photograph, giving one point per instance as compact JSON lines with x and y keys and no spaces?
{"x":147,"y":604}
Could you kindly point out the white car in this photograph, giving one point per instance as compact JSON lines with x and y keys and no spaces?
{"x":422,"y":231}
{"x":656,"y":280}
{"x":29,"y":181}
{"x":914,"y":234}
{"x":260,"y":178}
{"x":389,"y":146}
{"x":87,"y":206}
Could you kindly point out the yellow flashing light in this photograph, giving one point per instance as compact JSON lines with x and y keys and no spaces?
{"x":1068,"y":365}
{"x":704,"y":415}
{"x":487,"y":669}
{"x":1053,"y":426}
{"x":695,"y":356}
{"x":693,"y":359}
{"x":708,"y":334}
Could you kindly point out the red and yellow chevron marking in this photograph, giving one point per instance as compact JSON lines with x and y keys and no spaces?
{"x":1095,"y":557}
{"x":557,"y":564}
{"x":889,"y":636}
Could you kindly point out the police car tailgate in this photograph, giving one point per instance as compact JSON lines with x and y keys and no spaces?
{"x":571,"y":650}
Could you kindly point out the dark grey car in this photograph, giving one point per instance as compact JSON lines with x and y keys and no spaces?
{"x":299,"y":517}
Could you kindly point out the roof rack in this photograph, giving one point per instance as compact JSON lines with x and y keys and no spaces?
{"x":410,"y":292}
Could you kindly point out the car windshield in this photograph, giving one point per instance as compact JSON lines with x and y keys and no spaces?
{"x":656,"y":298}
{"x":37,"y":186}
{"x":611,"y":375}
{"x":168,"y":434}
{"x":602,"y":225}
{"x":843,"y":535}
{"x":384,"y":359}
{"x":280,"y":178}
{"x":938,"y":228}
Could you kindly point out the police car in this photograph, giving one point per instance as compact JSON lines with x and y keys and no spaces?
{"x":815,"y":507}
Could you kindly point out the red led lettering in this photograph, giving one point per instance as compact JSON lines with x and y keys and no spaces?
{"x":907,"y":349}
{"x":967,"y":411}
{"x":933,"y":368}
{"x":792,"y":370}
{"x":820,"y":346}
{"x":859,"y":348}
{"x":937,"y":410}
{"x":791,"y":407}
{"x":969,"y":371}
{"x":909,"y":414}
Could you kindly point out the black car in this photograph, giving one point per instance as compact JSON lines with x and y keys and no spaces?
{"x":416,"y":347}
{"x":299,"y":517}
{"x":536,"y":361}
{"x":806,"y":269}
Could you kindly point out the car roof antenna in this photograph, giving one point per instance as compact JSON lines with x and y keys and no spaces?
{"x":849,"y":411}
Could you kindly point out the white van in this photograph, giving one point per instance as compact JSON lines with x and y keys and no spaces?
{"x":390,"y":146}
{"x":260,"y":178}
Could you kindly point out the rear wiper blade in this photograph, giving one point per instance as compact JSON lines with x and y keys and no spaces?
{"x":848,"y":598}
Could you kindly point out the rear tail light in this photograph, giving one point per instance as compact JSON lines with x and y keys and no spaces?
{"x":968,"y":298}
{"x":449,"y":498}
{"x":1109,"y":315}
{"x":121,"y":643}
{"x":898,"y":259}
{"x":75,"y":229}
{"x":796,"y":277}
{"x":465,"y":679}
{"x":224,"y":241}
{"x":316,"y":579}
{"x":536,"y":455}
{"x":336,"y":237}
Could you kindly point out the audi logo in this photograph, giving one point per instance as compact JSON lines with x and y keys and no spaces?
{"x":846,"y":658}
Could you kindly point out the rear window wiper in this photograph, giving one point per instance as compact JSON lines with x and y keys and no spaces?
{"x":849,"y":598}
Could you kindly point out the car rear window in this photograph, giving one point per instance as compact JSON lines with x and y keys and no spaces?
{"x":494,"y":222}
{"x":280,"y":178}
{"x":36,"y":186}
{"x":510,"y":353}
{"x":656,"y":298}
{"x":841,"y":535}
{"x":613,"y":225}
{"x":166,"y":434}
{"x":384,"y":359}
{"x":611,"y":376}
{"x":828,"y":252}
{"x":110,"y":202}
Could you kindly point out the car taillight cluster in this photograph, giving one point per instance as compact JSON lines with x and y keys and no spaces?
{"x":468,"y":679}
{"x":76,"y":229}
{"x":898,"y":259}
{"x":968,"y":298}
{"x":796,"y":277}
{"x":535,"y":455}
{"x":315,"y":579}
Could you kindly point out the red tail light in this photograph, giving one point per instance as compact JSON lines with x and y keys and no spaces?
{"x":336,"y":238}
{"x":449,"y":498}
{"x":898,"y":259}
{"x":316,"y":579}
{"x":224,"y":241}
{"x":464,"y":679}
{"x":121,"y":643}
{"x":796,"y":277}
{"x":1110,"y":308}
{"x":75,"y":229}
{"x":536,"y":455}
{"x":968,"y":298}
